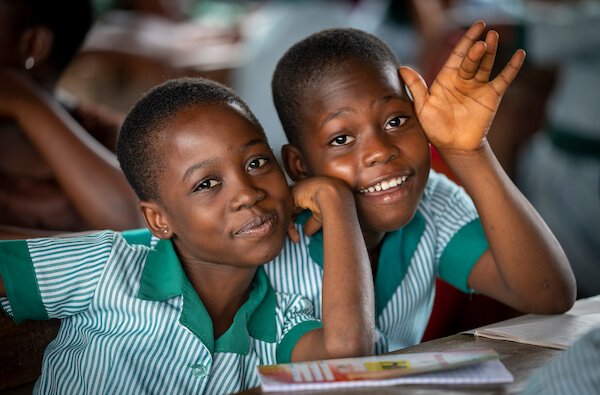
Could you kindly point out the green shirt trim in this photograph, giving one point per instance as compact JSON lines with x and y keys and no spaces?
{"x":461,"y":254}
{"x":287,"y":344}
{"x":141,"y":236}
{"x":16,"y":268}
{"x":393,"y":266}
{"x":164,"y":278}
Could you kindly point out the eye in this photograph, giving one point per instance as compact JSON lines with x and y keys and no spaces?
{"x":257,"y":163}
{"x":396,"y":122}
{"x":205,"y":185}
{"x":341,"y":140}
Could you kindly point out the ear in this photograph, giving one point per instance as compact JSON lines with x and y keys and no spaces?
{"x":156,"y":219}
{"x":293,"y":162}
{"x":36,"y":42}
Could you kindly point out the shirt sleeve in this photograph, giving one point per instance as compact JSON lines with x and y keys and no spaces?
{"x":52,"y":277}
{"x":297,"y":316}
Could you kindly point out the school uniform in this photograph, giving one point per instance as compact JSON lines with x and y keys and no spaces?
{"x":445,"y":238}
{"x":132,"y":322}
{"x":575,"y":371}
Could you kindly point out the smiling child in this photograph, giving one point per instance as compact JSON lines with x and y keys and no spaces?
{"x":190,"y":310}
{"x":348,"y":114}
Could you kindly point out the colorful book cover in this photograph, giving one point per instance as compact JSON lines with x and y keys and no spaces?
{"x":380,"y":370}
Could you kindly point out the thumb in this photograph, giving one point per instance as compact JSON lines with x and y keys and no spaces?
{"x":416,"y":85}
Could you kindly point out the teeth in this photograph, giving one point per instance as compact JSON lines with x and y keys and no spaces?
{"x":385,"y":185}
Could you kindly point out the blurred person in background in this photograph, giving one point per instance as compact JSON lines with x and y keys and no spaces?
{"x":559,"y":170}
{"x":58,"y":171}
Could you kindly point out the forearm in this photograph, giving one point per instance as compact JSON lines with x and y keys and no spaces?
{"x":533,"y":269}
{"x":88,"y":173}
{"x":348,"y":300}
{"x":8,"y":232}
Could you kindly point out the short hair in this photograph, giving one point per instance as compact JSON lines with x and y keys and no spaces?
{"x":145,"y":126}
{"x":69,"y":20}
{"x":312,"y":60}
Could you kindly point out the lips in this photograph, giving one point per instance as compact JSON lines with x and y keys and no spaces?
{"x":390,"y":183}
{"x":257,"y":226}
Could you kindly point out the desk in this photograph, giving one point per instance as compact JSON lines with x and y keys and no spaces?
{"x":520,"y":359}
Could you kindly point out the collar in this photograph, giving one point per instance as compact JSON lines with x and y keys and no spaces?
{"x":163,"y":278}
{"x":397,"y":250}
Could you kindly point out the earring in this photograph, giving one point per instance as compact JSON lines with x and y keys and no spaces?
{"x":29,"y":63}
{"x":164,"y":231}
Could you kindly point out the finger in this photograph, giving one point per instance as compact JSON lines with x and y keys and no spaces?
{"x":416,"y":85}
{"x":501,"y":83}
{"x":312,"y":225}
{"x":293,"y":233}
{"x":487,"y":63}
{"x":460,"y":50}
{"x":471,"y":63}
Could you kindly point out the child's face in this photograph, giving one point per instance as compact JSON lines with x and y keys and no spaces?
{"x":224,"y":197}
{"x":360,"y":126}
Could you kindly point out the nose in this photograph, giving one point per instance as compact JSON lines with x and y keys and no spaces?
{"x":246,"y":195}
{"x":379,"y":150}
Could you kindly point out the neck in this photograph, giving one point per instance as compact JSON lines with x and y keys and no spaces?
{"x":222,"y":289}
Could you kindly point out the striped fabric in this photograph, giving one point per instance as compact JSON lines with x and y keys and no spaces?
{"x":576,"y":371}
{"x":444,"y":238}
{"x":131,"y":325}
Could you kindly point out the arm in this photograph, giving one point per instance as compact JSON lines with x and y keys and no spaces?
{"x":8,"y":232}
{"x":525,"y":266}
{"x":348,"y":301}
{"x":87,"y":172}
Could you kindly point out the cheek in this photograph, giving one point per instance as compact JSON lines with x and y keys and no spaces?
{"x":416,"y":147}
{"x":338,"y":167}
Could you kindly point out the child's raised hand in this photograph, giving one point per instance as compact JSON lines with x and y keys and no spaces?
{"x":457,"y":111}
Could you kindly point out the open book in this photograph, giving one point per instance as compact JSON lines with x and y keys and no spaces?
{"x":553,"y":331}
{"x":480,"y":366}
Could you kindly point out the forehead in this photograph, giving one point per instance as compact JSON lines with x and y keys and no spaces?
{"x":201,"y":130}
{"x":357,"y":86}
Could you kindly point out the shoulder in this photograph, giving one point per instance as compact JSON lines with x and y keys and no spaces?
{"x":440,"y":188}
{"x":444,"y":199}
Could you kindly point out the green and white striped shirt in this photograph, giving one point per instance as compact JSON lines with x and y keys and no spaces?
{"x":576,"y":371}
{"x":445,"y":238}
{"x":133,"y":324}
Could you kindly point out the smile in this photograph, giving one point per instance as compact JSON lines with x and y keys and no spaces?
{"x":384,"y":185}
{"x":258,"y":226}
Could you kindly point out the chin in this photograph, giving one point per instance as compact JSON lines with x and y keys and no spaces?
{"x":388,"y":224}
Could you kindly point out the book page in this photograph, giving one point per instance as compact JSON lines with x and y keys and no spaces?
{"x":451,"y":367}
{"x":558,"y":331}
{"x":551,"y":330}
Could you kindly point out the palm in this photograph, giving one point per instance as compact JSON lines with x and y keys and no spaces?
{"x":458,"y":109}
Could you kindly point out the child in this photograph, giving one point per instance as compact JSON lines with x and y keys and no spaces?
{"x":347,"y":115}
{"x":194,"y":313}
{"x":58,"y":171}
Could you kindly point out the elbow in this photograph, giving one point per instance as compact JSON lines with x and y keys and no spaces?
{"x":555,"y":300}
{"x":351,"y":344}
{"x":564,"y":303}
{"x":566,"y":294}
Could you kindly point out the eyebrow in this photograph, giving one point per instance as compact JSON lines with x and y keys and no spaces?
{"x":199,"y":165}
{"x":346,"y":110}
{"x":336,"y":114}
